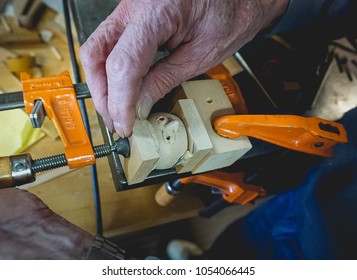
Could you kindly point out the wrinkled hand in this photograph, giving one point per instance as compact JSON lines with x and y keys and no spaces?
{"x":30,"y":230}
{"x":199,"y":34}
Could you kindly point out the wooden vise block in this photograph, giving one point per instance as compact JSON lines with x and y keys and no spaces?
{"x":211,"y":102}
{"x":143,"y":155}
{"x":198,"y":104}
{"x":199,"y":142}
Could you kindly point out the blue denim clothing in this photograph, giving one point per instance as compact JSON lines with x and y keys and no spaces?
{"x":318,"y":220}
{"x":327,"y":202}
{"x":305,"y":13}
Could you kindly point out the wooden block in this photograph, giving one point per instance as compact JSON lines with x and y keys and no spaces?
{"x":199,"y":143}
{"x":233,"y":66}
{"x":143,"y":155}
{"x":5,"y":23}
{"x":18,"y":35}
{"x":9,"y":82}
{"x":56,"y":53}
{"x":51,"y":26}
{"x":32,"y":14}
{"x":20,"y":63}
{"x":6,"y":54}
{"x":25,"y":37}
{"x":212,"y":102}
{"x":20,"y":7}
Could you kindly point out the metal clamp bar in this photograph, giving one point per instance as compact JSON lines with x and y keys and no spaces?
{"x":15,"y":100}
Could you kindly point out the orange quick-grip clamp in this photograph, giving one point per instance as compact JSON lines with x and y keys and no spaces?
{"x":232,"y":185}
{"x":230,"y":86}
{"x":309,"y":135}
{"x":60,"y":103}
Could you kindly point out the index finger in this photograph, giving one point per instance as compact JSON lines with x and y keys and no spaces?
{"x":126,"y":66}
{"x":94,"y":53}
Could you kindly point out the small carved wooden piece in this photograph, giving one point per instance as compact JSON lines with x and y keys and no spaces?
{"x":156,"y":143}
{"x":187,"y":141}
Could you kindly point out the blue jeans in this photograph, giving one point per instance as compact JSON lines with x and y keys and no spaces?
{"x":318,"y":220}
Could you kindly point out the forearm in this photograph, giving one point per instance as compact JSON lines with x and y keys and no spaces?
{"x":30,"y":230}
{"x":53,"y":238}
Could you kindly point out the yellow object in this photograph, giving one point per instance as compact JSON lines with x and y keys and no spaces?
{"x":17,"y":133}
{"x":20,"y":63}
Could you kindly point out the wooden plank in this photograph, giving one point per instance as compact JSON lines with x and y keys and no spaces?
{"x":8,"y":82}
{"x":6,"y":54}
{"x":19,"y":38}
{"x":212,"y":102}
{"x":199,"y":143}
{"x":5,"y":23}
{"x":45,"y":177}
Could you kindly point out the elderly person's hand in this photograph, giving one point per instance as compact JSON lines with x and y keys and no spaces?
{"x":199,"y":34}
{"x":30,"y":230}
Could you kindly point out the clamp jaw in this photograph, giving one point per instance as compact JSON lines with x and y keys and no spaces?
{"x":309,"y":135}
{"x":231,"y":185}
{"x":56,"y":98}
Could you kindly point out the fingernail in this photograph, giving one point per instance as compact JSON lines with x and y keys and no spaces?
{"x":143,"y":106}
{"x":121,"y":130}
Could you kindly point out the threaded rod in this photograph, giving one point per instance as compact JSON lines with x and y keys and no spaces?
{"x":57,"y":161}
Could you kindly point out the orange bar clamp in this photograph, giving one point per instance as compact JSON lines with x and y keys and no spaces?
{"x":310,"y":135}
{"x":61,"y":106}
{"x":230,"y":86}
{"x":231,"y":184}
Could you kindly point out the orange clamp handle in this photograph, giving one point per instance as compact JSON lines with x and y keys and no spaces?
{"x":230,"y":86}
{"x":61,"y":106}
{"x":234,"y":189}
{"x":309,"y":135}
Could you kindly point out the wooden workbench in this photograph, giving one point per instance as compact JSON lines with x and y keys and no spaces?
{"x":71,"y":196}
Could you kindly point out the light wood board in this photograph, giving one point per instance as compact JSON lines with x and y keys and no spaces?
{"x":212,"y":102}
{"x":199,"y":142}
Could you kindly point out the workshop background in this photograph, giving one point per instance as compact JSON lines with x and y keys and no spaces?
{"x":303,"y":76}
